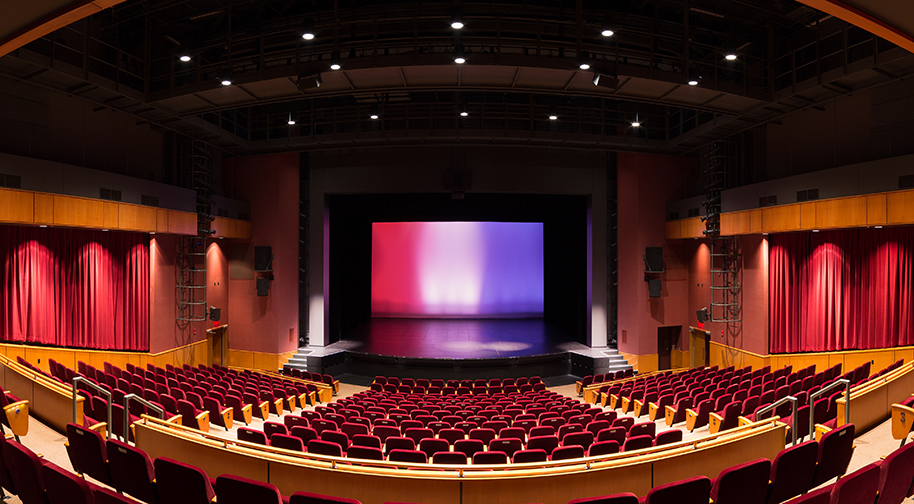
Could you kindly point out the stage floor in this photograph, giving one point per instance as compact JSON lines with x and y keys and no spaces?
{"x":457,"y":338}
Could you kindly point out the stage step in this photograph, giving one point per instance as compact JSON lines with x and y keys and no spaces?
{"x":299,"y":360}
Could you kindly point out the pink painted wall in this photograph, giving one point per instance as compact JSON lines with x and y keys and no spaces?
{"x":752,"y":333}
{"x":271,"y":185}
{"x":645,"y":184}
{"x":165,"y":332}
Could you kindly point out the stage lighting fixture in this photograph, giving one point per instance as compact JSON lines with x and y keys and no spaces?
{"x":184,"y":57}
{"x":585,"y":61}
{"x":636,"y":123}
{"x":730,"y":57}
{"x":607,"y":26}
{"x":605,"y":80}
{"x":459,"y":56}
{"x":307,"y":31}
{"x":291,"y":121}
{"x":457,"y":18}
{"x":374,"y":111}
{"x":335,"y":60}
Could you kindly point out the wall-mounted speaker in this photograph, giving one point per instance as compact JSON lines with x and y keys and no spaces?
{"x":263,"y":286}
{"x":653,"y":258}
{"x":653,"y":286}
{"x":263,"y":258}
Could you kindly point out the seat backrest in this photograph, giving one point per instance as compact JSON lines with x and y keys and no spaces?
{"x":527,"y":456}
{"x":792,"y":471}
{"x":180,"y":483}
{"x":568,"y":452}
{"x":835,"y":450}
{"x":745,"y":483}
{"x":896,"y":473}
{"x":582,"y":439}
{"x":87,"y":453}
{"x":287,"y":442}
{"x":857,"y":487}
{"x":469,"y":447}
{"x":410,"y":456}
{"x":25,"y":471}
{"x":365,"y":452}
{"x":643,"y":428}
{"x":304,"y":433}
{"x":688,"y":491}
{"x":313,"y":498}
{"x":637,"y":443}
{"x":64,"y":487}
{"x":603,"y":448}
{"x":131,"y":470}
{"x":490,"y":457}
{"x":506,"y":445}
{"x":252,"y":436}
{"x":238,"y":490}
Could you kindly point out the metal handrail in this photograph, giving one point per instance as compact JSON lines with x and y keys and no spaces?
{"x":142,"y":401}
{"x":77,"y":379}
{"x":833,"y":385}
{"x":793,"y":413}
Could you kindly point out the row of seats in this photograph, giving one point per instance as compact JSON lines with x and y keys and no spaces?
{"x":130,"y":471}
{"x":480,"y":386}
{"x":589,"y":380}
{"x":760,"y":481}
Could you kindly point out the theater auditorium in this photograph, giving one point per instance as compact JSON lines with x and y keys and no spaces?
{"x":458,"y":252}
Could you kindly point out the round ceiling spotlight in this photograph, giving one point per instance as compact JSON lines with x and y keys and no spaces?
{"x":184,"y":57}
{"x":307,"y":31}
{"x":636,"y":123}
{"x":607,"y":26}
{"x":730,"y":57}
{"x":335,"y":60}
{"x":457,"y":18}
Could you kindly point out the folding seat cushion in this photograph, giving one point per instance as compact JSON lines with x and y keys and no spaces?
{"x":792,"y":471}
{"x":87,"y":452}
{"x":688,"y":491}
{"x":745,"y":483}
{"x":896,"y":473}
{"x":638,"y":443}
{"x":835,"y":450}
{"x":238,"y":490}
{"x":132,"y":471}
{"x":25,"y":472}
{"x":857,"y":487}
{"x":180,"y":483}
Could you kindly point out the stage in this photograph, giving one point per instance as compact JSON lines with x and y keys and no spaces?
{"x":458,"y":348}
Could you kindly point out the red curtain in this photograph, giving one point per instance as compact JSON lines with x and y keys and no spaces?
{"x":841,"y":290}
{"x":75,"y":288}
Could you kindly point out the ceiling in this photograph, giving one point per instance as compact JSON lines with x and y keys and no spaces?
{"x":397,"y":58}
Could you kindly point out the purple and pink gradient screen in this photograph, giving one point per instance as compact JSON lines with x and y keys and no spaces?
{"x":457,"y":269}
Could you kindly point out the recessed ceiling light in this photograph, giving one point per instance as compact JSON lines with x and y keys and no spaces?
{"x":553,"y":117}
{"x":45,"y":225}
{"x":335,"y":60}
{"x":226,"y":82}
{"x":730,"y":57}
{"x":307,"y":31}
{"x":693,"y":82}
{"x":457,"y":18}
{"x":815,"y":230}
{"x":464,"y":113}
{"x":185,"y":58}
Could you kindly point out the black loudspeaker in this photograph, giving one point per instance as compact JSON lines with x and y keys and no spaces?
{"x":653,"y":286}
{"x":653,"y":258}
{"x":215,"y":313}
{"x":263,"y":286}
{"x":702,"y":315}
{"x":263,"y":258}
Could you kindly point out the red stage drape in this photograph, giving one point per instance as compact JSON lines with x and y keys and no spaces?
{"x":75,"y":288}
{"x":841,"y":290}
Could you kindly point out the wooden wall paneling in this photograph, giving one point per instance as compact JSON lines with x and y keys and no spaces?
{"x":673,"y":230}
{"x":807,"y":215}
{"x":899,"y":207}
{"x":880,"y":359}
{"x":161,"y":220}
{"x":781,"y":218}
{"x":366,"y":488}
{"x":875,"y":209}
{"x":111,"y":219}
{"x":695,"y":228}
{"x":904,"y":353}
{"x":184,"y":223}
{"x":755,"y":219}
{"x":635,"y":478}
{"x":44,"y":208}
{"x":243,"y":229}
{"x":17,"y":206}
{"x":241,"y":358}
{"x":736,"y":223}
{"x":136,"y":218}
{"x":841,"y":213}
{"x":269,"y":362}
{"x":78,"y":212}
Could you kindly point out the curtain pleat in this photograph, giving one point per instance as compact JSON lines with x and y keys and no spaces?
{"x":76,"y":288}
{"x":841,"y":290}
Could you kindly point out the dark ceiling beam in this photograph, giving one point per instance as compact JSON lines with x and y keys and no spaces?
{"x":30,"y":20}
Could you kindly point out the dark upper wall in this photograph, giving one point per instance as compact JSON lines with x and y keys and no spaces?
{"x":48,"y":125}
